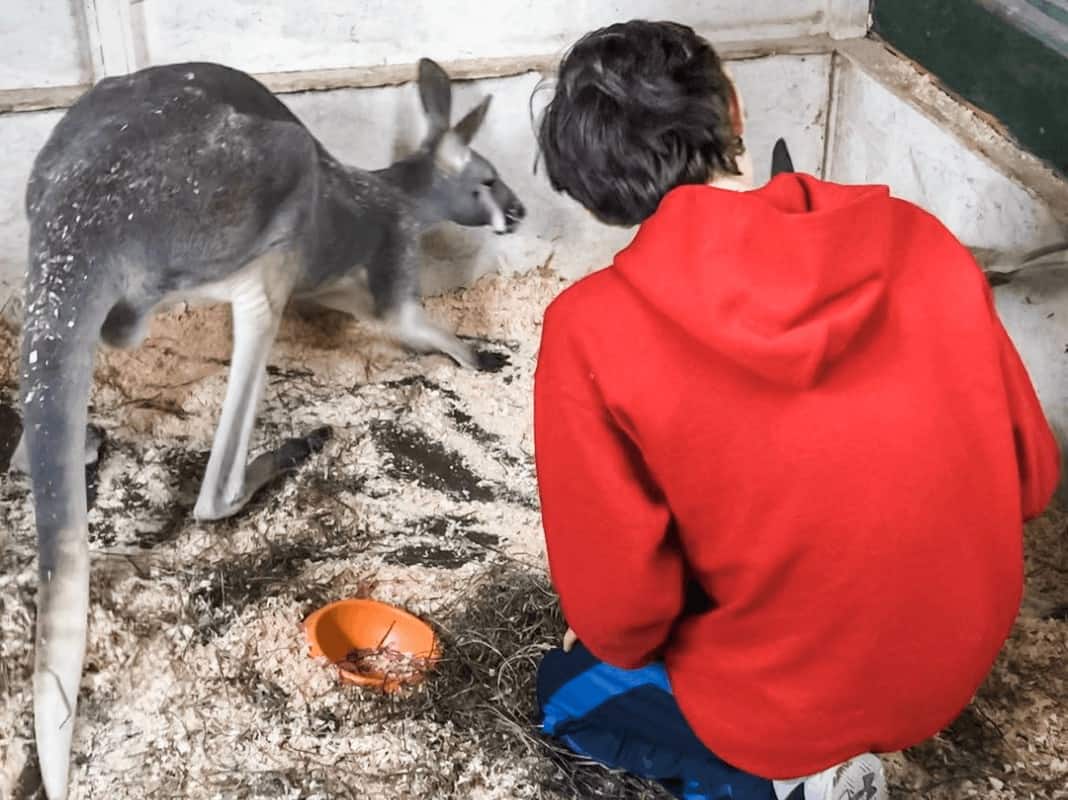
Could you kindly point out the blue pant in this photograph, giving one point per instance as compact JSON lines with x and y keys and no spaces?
{"x":628,"y":719}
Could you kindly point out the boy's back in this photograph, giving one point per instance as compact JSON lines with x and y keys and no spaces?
{"x":801,"y":398}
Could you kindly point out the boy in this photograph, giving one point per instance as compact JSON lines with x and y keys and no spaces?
{"x":784,"y":450}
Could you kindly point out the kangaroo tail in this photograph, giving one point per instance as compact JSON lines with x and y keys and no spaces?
{"x":66,"y":307}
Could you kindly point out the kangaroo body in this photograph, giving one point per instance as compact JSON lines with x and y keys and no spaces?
{"x":192,"y":181}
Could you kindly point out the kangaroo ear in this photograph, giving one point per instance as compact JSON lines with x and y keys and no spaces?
{"x":469,"y":125}
{"x":435,"y":90}
{"x":780,"y":159}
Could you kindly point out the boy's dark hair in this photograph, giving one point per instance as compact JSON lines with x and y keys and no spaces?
{"x":640,"y":108}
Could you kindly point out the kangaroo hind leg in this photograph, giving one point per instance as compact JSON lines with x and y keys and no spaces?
{"x":229,"y":481}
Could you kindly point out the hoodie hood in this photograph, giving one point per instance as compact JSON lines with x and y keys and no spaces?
{"x":780,"y":280}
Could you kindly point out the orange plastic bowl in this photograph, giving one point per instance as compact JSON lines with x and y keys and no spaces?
{"x":337,"y":629}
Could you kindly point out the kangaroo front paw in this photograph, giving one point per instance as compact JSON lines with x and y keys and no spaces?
{"x":491,"y":361}
{"x":299,"y":449}
{"x":481,"y":358}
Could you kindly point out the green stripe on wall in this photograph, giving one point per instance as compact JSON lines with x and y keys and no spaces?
{"x":989,"y":62}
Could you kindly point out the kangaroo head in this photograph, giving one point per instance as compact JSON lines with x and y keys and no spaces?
{"x":465,"y":186}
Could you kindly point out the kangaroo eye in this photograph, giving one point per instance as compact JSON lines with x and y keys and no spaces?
{"x":486,"y":184}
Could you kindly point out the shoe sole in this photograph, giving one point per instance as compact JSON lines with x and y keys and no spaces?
{"x":860,"y":778}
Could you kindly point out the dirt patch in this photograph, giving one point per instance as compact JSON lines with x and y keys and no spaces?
{"x":413,"y":456}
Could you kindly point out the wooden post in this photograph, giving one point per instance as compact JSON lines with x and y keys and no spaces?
{"x":111,"y":37}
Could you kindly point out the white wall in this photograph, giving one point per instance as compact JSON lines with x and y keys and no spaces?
{"x":1035,"y":313}
{"x":21,"y":136}
{"x":71,"y":43}
{"x":874,"y":135}
{"x":327,"y":34}
{"x":42,"y":43}
{"x":877,"y":138}
{"x":50,"y":43}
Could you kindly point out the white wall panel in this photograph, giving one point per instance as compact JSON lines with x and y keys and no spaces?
{"x":278,"y":35}
{"x":21,"y":137}
{"x":42,"y":43}
{"x":878,"y":138}
{"x":785,"y":96}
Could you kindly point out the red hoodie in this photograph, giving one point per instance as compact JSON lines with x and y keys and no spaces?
{"x":802,"y":398}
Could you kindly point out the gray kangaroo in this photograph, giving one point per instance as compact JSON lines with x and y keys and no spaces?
{"x":194,"y":181}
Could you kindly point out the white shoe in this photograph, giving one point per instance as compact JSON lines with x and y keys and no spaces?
{"x":860,"y":778}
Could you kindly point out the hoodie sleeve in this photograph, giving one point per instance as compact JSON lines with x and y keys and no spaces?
{"x":612,"y":553}
{"x":1037,"y":453}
